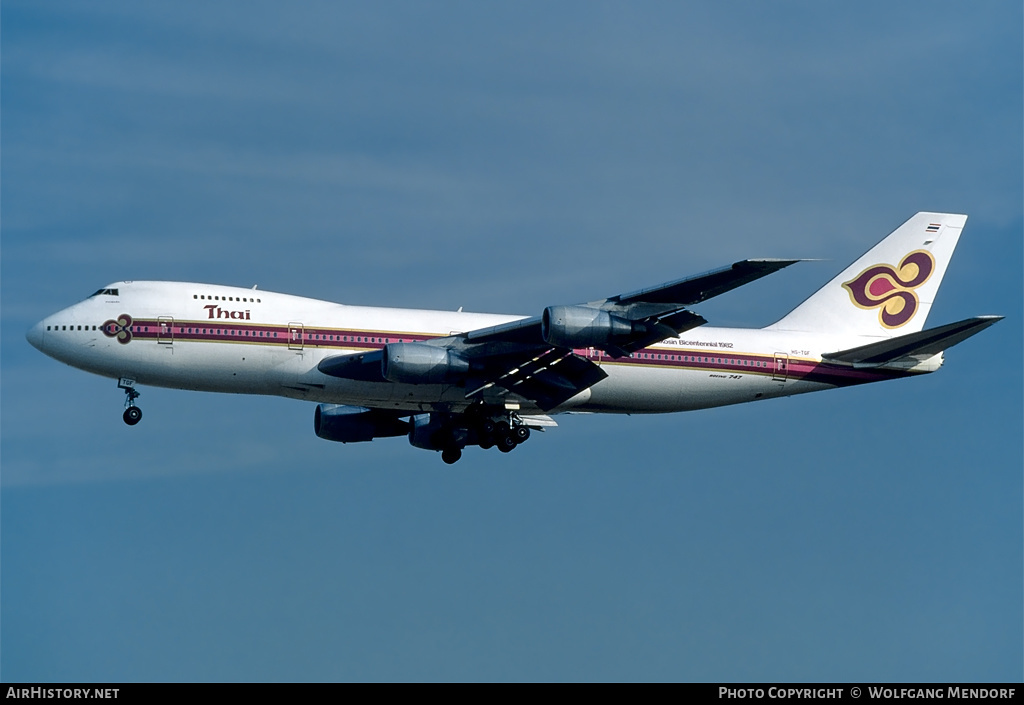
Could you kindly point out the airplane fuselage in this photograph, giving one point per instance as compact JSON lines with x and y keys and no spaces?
{"x":224,"y":339}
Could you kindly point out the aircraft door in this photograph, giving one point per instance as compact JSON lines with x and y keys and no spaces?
{"x":165,"y":330}
{"x":295,"y":335}
{"x":781,"y":369}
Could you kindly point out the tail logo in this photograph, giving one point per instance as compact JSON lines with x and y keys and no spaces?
{"x":891,"y":289}
{"x":121,"y":329}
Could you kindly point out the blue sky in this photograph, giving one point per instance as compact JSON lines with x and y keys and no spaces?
{"x":505,"y":158}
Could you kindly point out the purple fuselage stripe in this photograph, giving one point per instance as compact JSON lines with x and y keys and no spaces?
{"x":330,"y":338}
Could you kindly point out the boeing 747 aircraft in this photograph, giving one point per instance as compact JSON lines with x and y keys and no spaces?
{"x":448,"y":380}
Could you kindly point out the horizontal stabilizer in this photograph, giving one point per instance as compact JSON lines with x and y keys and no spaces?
{"x":923,"y":343}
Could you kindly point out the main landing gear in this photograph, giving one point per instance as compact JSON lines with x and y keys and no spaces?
{"x":505,"y":431}
{"x":132,"y":414}
{"x":506,"y":435}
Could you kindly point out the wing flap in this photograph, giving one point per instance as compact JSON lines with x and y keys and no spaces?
{"x":549,"y":379}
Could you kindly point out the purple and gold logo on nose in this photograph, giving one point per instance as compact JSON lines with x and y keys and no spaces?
{"x":120,"y":329}
{"x":891,"y":289}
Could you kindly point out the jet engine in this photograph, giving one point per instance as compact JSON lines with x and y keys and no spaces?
{"x":583,"y":327}
{"x":355,"y":424}
{"x":416,"y":363}
{"x":435,"y":432}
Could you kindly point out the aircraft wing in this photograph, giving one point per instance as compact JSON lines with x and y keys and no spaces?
{"x":701,"y":287}
{"x":533,"y":359}
{"x":533,"y":372}
{"x":664,"y":303}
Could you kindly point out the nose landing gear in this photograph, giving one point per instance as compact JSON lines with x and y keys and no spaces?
{"x":132,"y":414}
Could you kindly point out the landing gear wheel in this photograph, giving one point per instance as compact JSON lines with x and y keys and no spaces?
{"x":132,"y":415}
{"x":451,"y":455}
{"x":521,"y":433}
{"x":506,"y":443}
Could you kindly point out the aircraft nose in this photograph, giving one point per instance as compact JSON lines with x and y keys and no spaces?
{"x":36,"y":336}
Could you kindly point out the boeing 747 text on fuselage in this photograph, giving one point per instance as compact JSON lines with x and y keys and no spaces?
{"x":448,"y":380}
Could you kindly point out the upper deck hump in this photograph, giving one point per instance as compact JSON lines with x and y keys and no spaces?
{"x":199,"y":301}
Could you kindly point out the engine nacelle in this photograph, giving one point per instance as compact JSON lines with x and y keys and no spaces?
{"x":435,"y":432}
{"x":355,"y":424}
{"x":416,"y":363}
{"x":582,"y":327}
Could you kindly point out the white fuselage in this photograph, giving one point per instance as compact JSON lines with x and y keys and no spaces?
{"x":224,"y":339}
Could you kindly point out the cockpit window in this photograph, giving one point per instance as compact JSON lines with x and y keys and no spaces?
{"x":107,"y":292}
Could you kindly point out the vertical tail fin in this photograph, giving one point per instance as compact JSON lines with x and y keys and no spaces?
{"x":889,"y":291}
